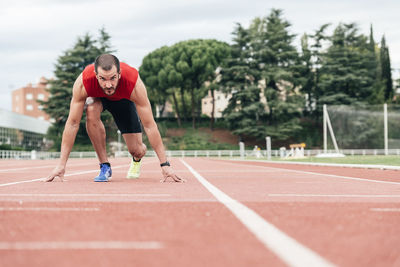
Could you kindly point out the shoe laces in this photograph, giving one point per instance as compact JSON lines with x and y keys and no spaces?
{"x":104,"y":168}
{"x":135,"y":166}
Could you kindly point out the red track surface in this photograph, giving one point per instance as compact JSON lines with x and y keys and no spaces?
{"x":348,"y":217}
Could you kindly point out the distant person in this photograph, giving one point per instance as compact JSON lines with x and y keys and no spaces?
{"x":257,"y":151}
{"x":110,"y":85}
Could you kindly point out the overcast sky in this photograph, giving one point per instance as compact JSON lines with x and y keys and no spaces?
{"x":33,"y":34}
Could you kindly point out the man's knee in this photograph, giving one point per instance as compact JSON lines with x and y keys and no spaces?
{"x":138,"y":151}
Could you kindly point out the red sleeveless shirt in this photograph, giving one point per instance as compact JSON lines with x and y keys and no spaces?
{"x":126,"y":83}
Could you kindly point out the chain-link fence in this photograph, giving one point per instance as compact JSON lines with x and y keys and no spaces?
{"x":362,"y":126}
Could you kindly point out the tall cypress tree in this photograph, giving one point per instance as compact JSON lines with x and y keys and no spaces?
{"x":377,"y":96}
{"x":386,"y":71}
{"x":68,"y":67}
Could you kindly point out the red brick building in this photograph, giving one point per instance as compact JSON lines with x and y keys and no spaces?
{"x":24,"y":100}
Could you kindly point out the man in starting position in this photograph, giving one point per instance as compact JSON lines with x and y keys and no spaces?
{"x":110,"y":85}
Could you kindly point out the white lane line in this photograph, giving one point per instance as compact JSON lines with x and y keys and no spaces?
{"x":342,"y":165}
{"x":316,"y":173}
{"x":81,"y":245}
{"x":27,"y":168}
{"x":234,"y":171}
{"x":288,"y":249}
{"x":46,"y":209}
{"x":26,"y":181}
{"x":66,"y":175}
{"x":40,"y":167}
{"x":84,"y":195}
{"x":385,"y":209}
{"x":332,"y":195}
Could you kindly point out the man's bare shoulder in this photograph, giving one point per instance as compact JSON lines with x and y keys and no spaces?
{"x":79,"y":89}
{"x":79,"y":81}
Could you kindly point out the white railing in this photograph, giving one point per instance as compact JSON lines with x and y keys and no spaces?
{"x":11,"y":154}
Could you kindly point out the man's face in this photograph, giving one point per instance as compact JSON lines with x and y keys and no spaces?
{"x":108,"y":79}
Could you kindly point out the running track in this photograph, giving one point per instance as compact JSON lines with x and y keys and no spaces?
{"x":228,"y":213}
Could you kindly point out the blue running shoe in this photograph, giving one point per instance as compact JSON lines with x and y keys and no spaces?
{"x":105,"y":173}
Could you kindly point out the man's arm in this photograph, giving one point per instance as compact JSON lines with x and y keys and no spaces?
{"x":143,"y":107}
{"x":71,"y":127}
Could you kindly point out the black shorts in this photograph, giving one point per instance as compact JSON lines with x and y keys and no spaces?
{"x":124,"y":114}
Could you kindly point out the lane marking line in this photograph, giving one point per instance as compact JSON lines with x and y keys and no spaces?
{"x":385,"y":209}
{"x":27,"y":168}
{"x":288,"y":249}
{"x":343,"y":165}
{"x":46,"y":209}
{"x":41,"y":167}
{"x":84,"y":195}
{"x":316,"y":173}
{"x":81,"y":245}
{"x":71,"y":164}
{"x":66,"y":175}
{"x":331,"y":195}
{"x":121,"y":200}
{"x":235,"y":171}
{"x":26,"y":181}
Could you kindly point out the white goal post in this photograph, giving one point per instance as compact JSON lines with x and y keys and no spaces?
{"x":327,"y":125}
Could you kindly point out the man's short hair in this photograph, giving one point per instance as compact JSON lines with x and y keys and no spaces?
{"x":106,"y":61}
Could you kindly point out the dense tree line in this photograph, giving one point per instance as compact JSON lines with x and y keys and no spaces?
{"x":346,"y":67}
{"x":276,"y":88}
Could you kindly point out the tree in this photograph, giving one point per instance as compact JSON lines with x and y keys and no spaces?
{"x":386,"y":71}
{"x":307,"y":79}
{"x":198,"y":62}
{"x":345,"y":73}
{"x":238,"y":78}
{"x":312,"y":57}
{"x":281,"y":72}
{"x":182,"y":71}
{"x":377,"y":96}
{"x":263,"y":77}
{"x":68,"y":67}
{"x":155,"y":79}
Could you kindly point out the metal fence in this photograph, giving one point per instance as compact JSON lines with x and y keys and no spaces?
{"x":11,"y":154}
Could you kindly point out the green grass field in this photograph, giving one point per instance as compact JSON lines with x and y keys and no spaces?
{"x":374,"y":160}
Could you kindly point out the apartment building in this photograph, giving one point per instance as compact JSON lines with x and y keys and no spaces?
{"x":221,"y":102}
{"x":24,"y":100}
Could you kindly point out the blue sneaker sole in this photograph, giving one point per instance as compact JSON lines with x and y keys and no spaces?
{"x":102,"y":180}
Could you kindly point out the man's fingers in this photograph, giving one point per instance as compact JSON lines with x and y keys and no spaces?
{"x":164,"y":179}
{"x":52,"y":177}
{"x":178,"y":179}
{"x":49,"y":179}
{"x":174,"y":177}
